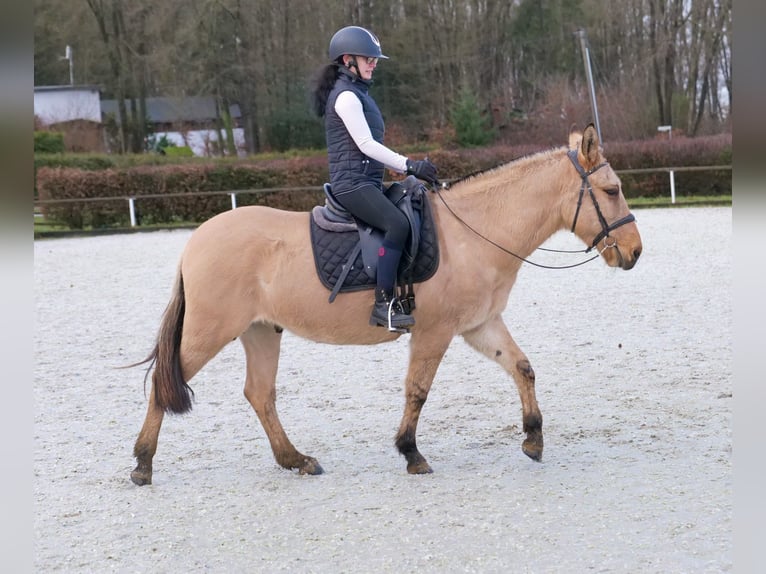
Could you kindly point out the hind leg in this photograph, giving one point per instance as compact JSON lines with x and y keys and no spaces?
{"x":261,"y":343}
{"x":495,"y":342}
{"x":146,"y":444}
{"x":195,"y":351}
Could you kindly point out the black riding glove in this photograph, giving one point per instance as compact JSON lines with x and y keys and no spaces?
{"x":423,"y":169}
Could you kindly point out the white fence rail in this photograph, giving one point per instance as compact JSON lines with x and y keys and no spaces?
{"x":131,"y":200}
{"x":671,"y":171}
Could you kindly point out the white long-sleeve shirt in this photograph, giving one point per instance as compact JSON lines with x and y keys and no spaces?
{"x":349,"y":109}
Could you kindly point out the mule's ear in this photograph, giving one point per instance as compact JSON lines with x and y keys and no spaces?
{"x":589,"y":146}
{"x":574,"y":137}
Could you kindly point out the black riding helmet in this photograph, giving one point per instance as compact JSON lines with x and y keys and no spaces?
{"x":355,"y":41}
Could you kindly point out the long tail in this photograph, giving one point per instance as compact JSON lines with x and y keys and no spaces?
{"x":171,"y":393}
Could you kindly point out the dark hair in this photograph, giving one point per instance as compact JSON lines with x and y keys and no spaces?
{"x":322,"y":84}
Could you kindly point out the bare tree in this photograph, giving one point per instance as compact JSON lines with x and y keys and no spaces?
{"x":707,"y":35}
{"x":122,"y":33}
{"x":655,"y":61}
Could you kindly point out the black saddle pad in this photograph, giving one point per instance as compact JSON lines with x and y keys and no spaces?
{"x":333,"y":248}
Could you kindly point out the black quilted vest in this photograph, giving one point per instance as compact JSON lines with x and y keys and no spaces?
{"x":349,"y":167}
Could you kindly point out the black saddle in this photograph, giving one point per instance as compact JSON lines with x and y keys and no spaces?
{"x":346,"y":249}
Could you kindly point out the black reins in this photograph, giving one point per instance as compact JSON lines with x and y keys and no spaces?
{"x":605,"y":228}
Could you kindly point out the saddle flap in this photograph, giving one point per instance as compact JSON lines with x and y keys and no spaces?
{"x":408,"y":197}
{"x":333,"y":242}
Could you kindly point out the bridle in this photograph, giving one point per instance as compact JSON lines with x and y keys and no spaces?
{"x":605,"y":228}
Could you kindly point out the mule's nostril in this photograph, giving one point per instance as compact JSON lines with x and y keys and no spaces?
{"x":636,"y":253}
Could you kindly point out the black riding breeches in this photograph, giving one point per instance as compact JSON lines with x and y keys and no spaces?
{"x":370,"y":205}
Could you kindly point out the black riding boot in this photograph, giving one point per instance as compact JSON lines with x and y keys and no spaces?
{"x":388,"y":312}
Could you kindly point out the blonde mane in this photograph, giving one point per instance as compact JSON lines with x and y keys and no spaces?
{"x":517,"y":169}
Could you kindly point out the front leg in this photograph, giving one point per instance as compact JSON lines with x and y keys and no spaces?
{"x":493,"y":340}
{"x":424,"y":362}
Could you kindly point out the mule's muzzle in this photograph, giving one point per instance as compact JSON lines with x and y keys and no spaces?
{"x":628,"y":260}
{"x":629,"y":263}
{"x":615,"y":256}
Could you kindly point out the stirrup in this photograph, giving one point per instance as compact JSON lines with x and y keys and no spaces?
{"x":396,"y":321}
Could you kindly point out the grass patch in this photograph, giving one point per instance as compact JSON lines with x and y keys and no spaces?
{"x":681,"y":201}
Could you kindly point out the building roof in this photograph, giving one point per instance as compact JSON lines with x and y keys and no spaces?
{"x":67,"y":88}
{"x":166,"y":110}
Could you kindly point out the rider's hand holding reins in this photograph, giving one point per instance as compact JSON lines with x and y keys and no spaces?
{"x":423,"y":169}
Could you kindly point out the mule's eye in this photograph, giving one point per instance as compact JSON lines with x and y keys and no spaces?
{"x":612,"y":190}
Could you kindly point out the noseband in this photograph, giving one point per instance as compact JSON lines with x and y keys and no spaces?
{"x":605,"y":228}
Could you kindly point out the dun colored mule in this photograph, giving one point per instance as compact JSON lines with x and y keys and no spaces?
{"x":271,"y":285}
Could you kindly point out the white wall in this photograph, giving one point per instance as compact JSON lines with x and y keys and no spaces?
{"x":53,"y":106}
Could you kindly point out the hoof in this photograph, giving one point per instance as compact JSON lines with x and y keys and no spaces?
{"x":310,"y":466}
{"x":419,"y":468}
{"x":533,"y":449}
{"x":140,"y":477}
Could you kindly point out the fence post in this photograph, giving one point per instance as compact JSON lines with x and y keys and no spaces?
{"x":132,"y":206}
{"x":233,"y":200}
{"x":672,"y":187}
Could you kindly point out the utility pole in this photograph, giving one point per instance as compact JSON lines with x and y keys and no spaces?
{"x":589,"y":73}
{"x":68,"y":56}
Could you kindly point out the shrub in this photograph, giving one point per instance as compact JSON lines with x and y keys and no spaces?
{"x":472,"y":127}
{"x":49,"y":142}
{"x":178,"y":151}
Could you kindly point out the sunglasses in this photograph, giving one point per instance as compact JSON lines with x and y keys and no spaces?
{"x":370,"y":60}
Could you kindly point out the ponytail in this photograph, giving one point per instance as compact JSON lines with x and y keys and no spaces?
{"x":322,"y":84}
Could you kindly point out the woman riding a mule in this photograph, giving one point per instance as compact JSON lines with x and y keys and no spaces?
{"x":354,"y":130}
{"x":249,"y":274}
